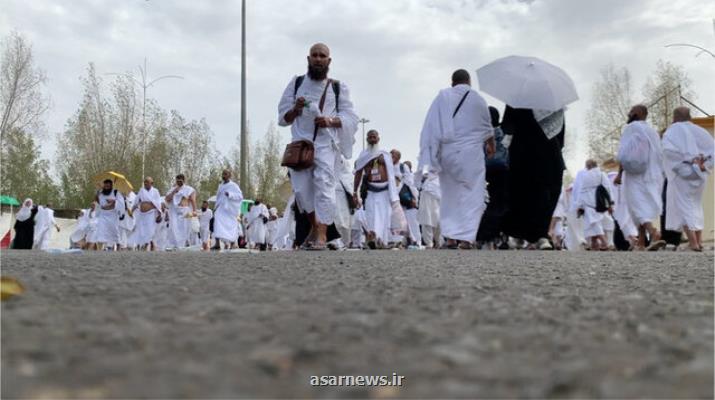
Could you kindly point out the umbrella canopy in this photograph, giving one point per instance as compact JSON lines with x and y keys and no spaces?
{"x":527,"y":82}
{"x":9,"y":201}
{"x":120,"y":181}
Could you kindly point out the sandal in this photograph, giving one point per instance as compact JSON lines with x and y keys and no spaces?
{"x":317,"y":247}
{"x":307,"y":244}
{"x":657,"y":245}
{"x":465,"y":246}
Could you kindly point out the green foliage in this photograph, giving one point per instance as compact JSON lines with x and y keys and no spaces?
{"x":24,"y":173}
{"x":266,"y":172}
{"x":109,"y":132}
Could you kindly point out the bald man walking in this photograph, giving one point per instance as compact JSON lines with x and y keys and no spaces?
{"x":319,"y":111}
{"x":688,"y":151}
{"x":641,"y":172}
{"x":456,"y":130}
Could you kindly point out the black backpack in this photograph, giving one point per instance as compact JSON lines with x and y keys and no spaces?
{"x":603,"y":199}
{"x":406,"y":197}
{"x":336,"y":90}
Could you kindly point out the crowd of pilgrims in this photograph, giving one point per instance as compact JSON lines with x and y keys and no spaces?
{"x":482,"y":181}
{"x":590,"y":214}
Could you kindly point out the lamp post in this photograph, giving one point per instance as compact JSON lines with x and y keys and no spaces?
{"x":363,"y":121}
{"x":145,"y":85}
{"x":244,"y":134}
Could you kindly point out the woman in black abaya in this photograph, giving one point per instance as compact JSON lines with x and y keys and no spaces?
{"x":536,"y":169}
{"x":25,"y":226}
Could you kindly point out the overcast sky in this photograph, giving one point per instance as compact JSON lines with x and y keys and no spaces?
{"x":394,"y":55}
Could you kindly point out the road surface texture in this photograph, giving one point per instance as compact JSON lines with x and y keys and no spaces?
{"x":454,"y":324}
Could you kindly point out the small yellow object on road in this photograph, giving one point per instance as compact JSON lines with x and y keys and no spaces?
{"x":9,"y":287}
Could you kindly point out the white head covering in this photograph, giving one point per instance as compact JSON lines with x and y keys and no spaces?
{"x":25,"y":210}
{"x":551,"y":122}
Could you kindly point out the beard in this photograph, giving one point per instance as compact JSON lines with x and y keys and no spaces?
{"x":317,"y":73}
{"x":106,"y":192}
{"x":373,"y":147}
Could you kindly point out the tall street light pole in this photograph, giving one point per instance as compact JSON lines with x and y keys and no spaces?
{"x":363,"y":121}
{"x":244,"y":133}
{"x":145,"y":85}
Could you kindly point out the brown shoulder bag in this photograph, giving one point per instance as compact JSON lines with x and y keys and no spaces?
{"x":300,"y":154}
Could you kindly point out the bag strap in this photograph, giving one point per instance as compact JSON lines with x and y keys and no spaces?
{"x":345,"y":189}
{"x":460,"y":103}
{"x":298,"y":82}
{"x":321,"y":104}
{"x":325,"y":91}
{"x":336,"y":90}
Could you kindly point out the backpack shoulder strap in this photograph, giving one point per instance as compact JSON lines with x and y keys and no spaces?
{"x":336,"y":90}
{"x":298,"y":82}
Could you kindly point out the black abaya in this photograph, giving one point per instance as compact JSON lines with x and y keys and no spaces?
{"x":536,"y":169}
{"x":24,"y":232}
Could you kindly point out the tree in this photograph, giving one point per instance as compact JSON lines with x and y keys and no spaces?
{"x":24,"y":173}
{"x":22,"y":102}
{"x":105,"y":134}
{"x":209,"y":185}
{"x":610,"y":103}
{"x":99,"y":137}
{"x":663,"y":92}
{"x":191,"y":151}
{"x":266,"y":171}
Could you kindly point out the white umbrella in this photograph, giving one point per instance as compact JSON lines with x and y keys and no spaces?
{"x":527,"y":82}
{"x":212,"y":199}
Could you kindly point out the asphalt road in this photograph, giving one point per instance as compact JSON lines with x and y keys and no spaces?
{"x":454,"y":324}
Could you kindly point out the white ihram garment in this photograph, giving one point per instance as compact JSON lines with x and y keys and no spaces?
{"x":44,"y":223}
{"x":256,"y":227}
{"x":584,"y":198}
{"x":204,"y":225}
{"x":162,"y":233}
{"x":107,"y":230}
{"x":145,"y":222}
{"x":285,"y":232}
{"x":573,"y":238}
{"x":378,"y":204}
{"x":179,"y":224}
{"x":413,"y":225}
{"x":83,"y":226}
{"x":643,"y":192}
{"x":454,"y":147}
{"x":620,"y":209}
{"x":682,"y":142}
{"x":358,"y":228}
{"x":127,"y":223}
{"x":343,"y":188}
{"x":314,"y":187}
{"x":228,"y":206}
